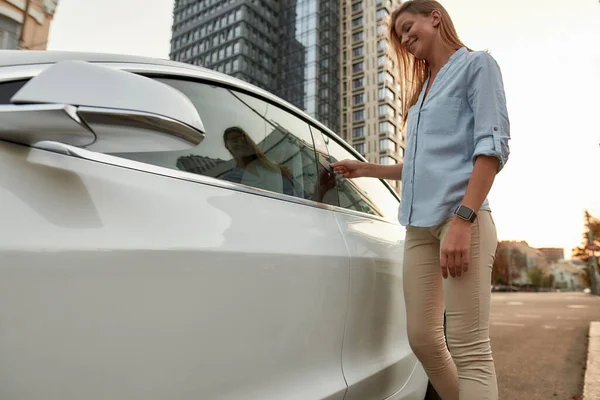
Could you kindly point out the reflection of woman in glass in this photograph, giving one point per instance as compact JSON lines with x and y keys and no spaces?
{"x":253,"y":167}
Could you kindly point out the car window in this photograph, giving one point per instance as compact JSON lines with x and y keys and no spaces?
{"x":9,"y":89}
{"x":328,"y":182}
{"x":367,"y":195}
{"x":248,"y":141}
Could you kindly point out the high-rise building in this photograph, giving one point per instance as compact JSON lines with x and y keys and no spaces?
{"x":236,"y":37}
{"x":310,"y":58}
{"x":25,"y":24}
{"x":288,"y":47}
{"x":371,"y":108}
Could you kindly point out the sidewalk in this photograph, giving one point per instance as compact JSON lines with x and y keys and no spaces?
{"x":591,"y":385}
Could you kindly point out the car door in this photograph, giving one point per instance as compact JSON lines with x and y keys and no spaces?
{"x":173,"y":274}
{"x":377,"y":359}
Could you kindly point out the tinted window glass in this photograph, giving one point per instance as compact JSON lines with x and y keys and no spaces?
{"x":248,"y":141}
{"x":367,"y":195}
{"x":328,"y":186}
{"x":8,"y":90}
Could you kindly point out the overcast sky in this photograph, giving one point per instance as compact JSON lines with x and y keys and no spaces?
{"x":549,"y":53}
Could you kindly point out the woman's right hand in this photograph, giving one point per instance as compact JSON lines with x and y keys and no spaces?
{"x":350,"y":168}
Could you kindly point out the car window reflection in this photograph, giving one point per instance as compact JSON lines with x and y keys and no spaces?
{"x":249,"y":142}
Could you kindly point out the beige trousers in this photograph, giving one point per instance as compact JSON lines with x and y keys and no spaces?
{"x":467,"y":371}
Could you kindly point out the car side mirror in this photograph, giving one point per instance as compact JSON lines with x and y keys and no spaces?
{"x":81,"y":104}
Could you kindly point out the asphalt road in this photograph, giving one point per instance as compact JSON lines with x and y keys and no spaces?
{"x":539,"y":342}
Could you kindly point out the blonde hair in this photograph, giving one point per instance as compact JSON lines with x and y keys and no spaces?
{"x":412,"y":71}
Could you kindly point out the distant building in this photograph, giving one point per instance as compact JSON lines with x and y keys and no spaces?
{"x":31,"y":30}
{"x":568,"y":276}
{"x":371,"y":107}
{"x":287,"y":47}
{"x":553,"y":253}
{"x":520,"y":259}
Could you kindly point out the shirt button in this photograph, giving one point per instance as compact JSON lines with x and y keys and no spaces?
{"x":496,"y":128}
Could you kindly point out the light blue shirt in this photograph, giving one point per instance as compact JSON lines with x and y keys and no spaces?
{"x":463,"y":116}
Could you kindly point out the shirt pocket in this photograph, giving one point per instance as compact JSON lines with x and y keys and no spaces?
{"x":441,"y":116}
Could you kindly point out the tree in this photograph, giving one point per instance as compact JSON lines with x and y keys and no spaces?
{"x":581,"y":252}
{"x":548,"y":281}
{"x":536,"y":276}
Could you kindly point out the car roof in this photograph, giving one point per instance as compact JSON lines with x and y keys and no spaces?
{"x":27,"y":57}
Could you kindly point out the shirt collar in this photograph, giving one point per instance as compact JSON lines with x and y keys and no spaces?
{"x":457,"y":54}
{"x":453,"y":57}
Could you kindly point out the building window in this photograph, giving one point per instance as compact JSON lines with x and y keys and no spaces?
{"x":387,"y":127}
{"x":386,"y":110}
{"x":382,"y":45}
{"x":360,"y":147}
{"x":358,"y":67}
{"x":387,"y":144}
{"x":358,"y":132}
{"x":357,"y":6}
{"x":357,"y":22}
{"x":358,"y":99}
{"x":358,"y":83}
{"x":381,"y":60}
{"x":382,"y":13}
{"x":358,"y":51}
{"x":358,"y":36}
{"x":386,"y":93}
{"x":387,"y":160}
{"x":385,"y":76}
{"x":358,"y":115}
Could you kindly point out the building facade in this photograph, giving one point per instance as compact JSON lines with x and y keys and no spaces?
{"x":25,"y":24}
{"x":553,"y":253}
{"x":371,"y":108}
{"x":568,"y":276}
{"x":287,"y":47}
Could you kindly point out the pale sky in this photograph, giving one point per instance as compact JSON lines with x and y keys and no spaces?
{"x":549,"y":54}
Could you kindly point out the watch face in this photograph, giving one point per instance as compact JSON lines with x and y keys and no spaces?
{"x":464,"y":212}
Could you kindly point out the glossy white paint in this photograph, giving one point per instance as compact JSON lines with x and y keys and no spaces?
{"x":377,"y":358}
{"x":116,"y":283}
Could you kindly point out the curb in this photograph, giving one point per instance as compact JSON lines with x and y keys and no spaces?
{"x":591,"y":383}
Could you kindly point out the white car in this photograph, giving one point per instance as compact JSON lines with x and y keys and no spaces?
{"x":169,"y":232}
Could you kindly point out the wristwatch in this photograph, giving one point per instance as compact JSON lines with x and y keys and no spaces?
{"x":465,"y":213}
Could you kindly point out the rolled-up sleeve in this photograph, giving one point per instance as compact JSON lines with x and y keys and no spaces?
{"x":488,"y":102}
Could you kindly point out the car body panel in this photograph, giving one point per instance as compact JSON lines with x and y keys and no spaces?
{"x":377,"y":359}
{"x":122,"y":284}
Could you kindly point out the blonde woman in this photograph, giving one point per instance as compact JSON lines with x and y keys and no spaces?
{"x":457,"y":128}
{"x":253,"y":167}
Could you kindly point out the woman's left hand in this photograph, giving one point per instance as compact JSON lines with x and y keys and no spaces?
{"x":455,"y":255}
